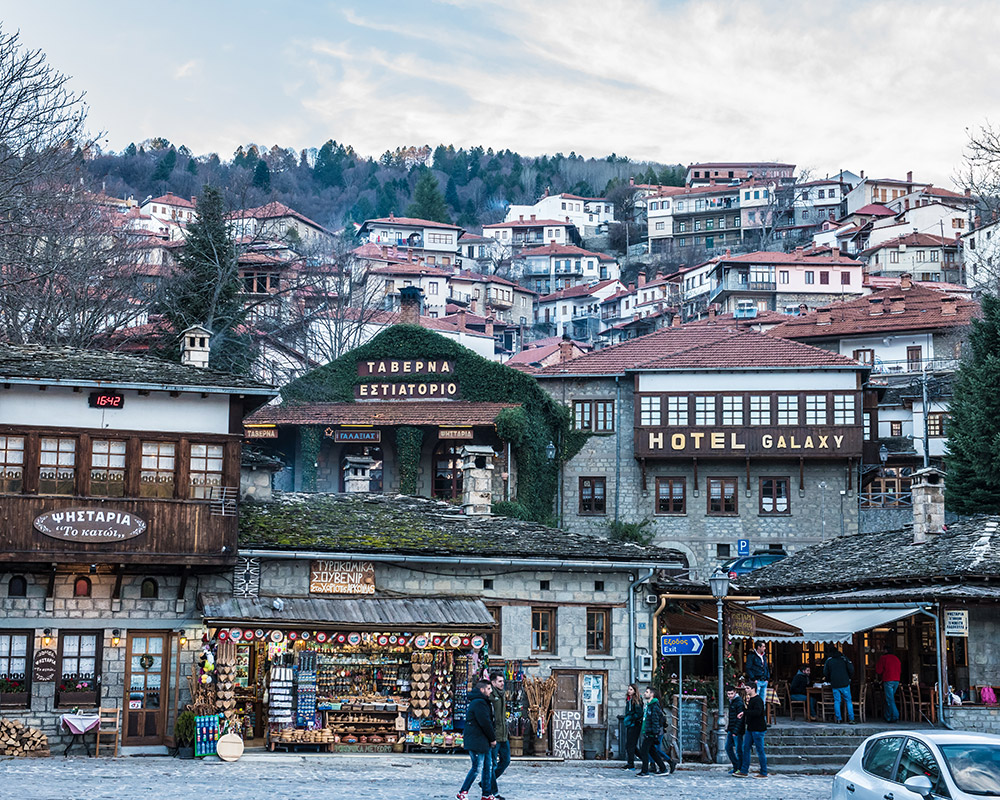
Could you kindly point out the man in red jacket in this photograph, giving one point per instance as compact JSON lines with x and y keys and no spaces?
{"x":888,"y":668}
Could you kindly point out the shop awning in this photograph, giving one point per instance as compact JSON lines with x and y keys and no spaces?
{"x":357,"y":613}
{"x":834,"y":624}
{"x":700,"y":617}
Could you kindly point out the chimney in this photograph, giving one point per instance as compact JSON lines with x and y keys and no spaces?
{"x":461,"y":320}
{"x":803,"y":309}
{"x":641,"y":279}
{"x":357,"y":474}
{"x":897,"y":305}
{"x":391,"y":217}
{"x":824,"y":316}
{"x":565,"y":349}
{"x":968,"y":192}
{"x":532,"y":217}
{"x":631,"y":287}
{"x":675,"y":320}
{"x":712,"y":311}
{"x":489,"y":326}
{"x":552,"y":242}
{"x":410,"y":299}
{"x":194,"y":198}
{"x":835,"y":252}
{"x":906,"y":281}
{"x":385,"y":252}
{"x":862,"y":174}
{"x":875,"y":307}
{"x":909,"y":176}
{"x":196,"y":346}
{"x":799,"y":251}
{"x":927,"y":491}
{"x":477,"y":479}
{"x":949,"y":306}
{"x":906,"y":204}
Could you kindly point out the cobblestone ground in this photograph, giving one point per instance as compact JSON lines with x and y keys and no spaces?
{"x":281,"y":777}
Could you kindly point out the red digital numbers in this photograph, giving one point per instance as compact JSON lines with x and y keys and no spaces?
{"x":106,"y":400}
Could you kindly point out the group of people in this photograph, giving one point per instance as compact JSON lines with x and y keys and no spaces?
{"x":486,"y":737}
{"x":645,"y":724}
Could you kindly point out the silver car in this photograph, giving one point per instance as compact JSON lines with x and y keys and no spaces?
{"x":904,"y":765}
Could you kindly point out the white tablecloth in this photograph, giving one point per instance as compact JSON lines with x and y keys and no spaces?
{"x":81,"y":723}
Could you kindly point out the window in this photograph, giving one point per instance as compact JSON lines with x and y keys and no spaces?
{"x":732,"y":410}
{"x":843,"y":409}
{"x":432,"y":288}
{"x":494,"y":639}
{"x":15,"y":656}
{"x":824,"y":277}
{"x":260,"y":282}
{"x":760,"y":410}
{"x":722,"y":496}
{"x":598,"y":631}
{"x":704,"y":410}
{"x":604,"y":416}
{"x":82,"y":587}
{"x":582,"y":410}
{"x":914,"y":359}
{"x":598,"y":586}
{"x":697,"y":224}
{"x":723,"y":551}
{"x":107,"y":468}
{"x":149,"y":589}
{"x":649,"y":411}
{"x":788,"y":409}
{"x":864,"y":356}
{"x":917,"y":759}
{"x":17,"y":587}
{"x":11,"y":463}
{"x":937,"y":423}
{"x":156,"y":478}
{"x":845,"y":278}
{"x":677,"y":411}
{"x":815,"y":409}
{"x":893,"y":256}
{"x":487,"y":583}
{"x":783,"y":276}
{"x":79,"y":663}
{"x":895,"y":427}
{"x":660,"y":226}
{"x":439,"y":238}
{"x":774,"y":496}
{"x":866,"y":423}
{"x":57,"y":468}
{"x":671,"y":496}
{"x":543,"y":630}
{"x":820,"y":194}
{"x":810,"y":277}
{"x":592,"y":495}
{"x":544,"y":585}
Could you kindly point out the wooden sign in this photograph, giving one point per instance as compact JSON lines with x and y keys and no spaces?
{"x":45,"y":666}
{"x":567,"y":734}
{"x":422,"y":390}
{"x":354,"y":437}
{"x":270,"y":432}
{"x":455,"y":433}
{"x":342,"y":577}
{"x":90,"y":525}
{"x":389,"y":367}
{"x":741,"y":624}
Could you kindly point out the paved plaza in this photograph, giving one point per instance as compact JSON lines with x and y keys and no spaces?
{"x":292,"y":777}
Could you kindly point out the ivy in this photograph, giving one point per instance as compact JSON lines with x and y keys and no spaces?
{"x":312,"y":439}
{"x":409,"y":441}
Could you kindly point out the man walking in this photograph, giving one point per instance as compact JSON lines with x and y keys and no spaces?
{"x":501,"y":750}
{"x":838,"y":671}
{"x":652,"y":728}
{"x":735,"y":729}
{"x":479,"y":738}
{"x":888,"y":668}
{"x":757,"y":669}
{"x":756,"y":724}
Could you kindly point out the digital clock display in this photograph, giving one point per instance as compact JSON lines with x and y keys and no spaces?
{"x":106,"y":400}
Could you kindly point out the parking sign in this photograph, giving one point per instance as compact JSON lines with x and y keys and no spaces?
{"x":742,"y":547}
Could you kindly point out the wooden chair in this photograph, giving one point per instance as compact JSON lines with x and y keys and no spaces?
{"x":825,"y":704}
{"x":109,"y":727}
{"x":782,"y":688}
{"x":860,"y":703}
{"x":923,"y":703}
{"x":905,"y":701}
{"x":786,"y":697}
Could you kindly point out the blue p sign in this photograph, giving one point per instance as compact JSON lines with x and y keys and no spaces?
{"x":743,"y":547}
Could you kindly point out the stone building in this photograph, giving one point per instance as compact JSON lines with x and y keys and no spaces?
{"x":712,"y":437}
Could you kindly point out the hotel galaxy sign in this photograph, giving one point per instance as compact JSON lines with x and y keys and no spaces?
{"x":841,"y":441}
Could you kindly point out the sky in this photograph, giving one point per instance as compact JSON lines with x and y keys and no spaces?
{"x":884,"y":86}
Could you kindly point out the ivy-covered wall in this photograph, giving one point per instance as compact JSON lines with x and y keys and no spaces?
{"x":529,"y":429}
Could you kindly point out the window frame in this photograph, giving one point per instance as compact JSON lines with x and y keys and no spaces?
{"x":774,"y":496}
{"x":598,"y":480}
{"x":895,"y":427}
{"x":98,"y":662}
{"x":550,"y":613}
{"x":29,"y":653}
{"x":669,"y":481}
{"x":60,"y":439}
{"x":494,"y":638}
{"x":723,"y":481}
{"x":937,"y":424}
{"x":602,"y":612}
{"x":108,"y":469}
{"x":7,"y":481}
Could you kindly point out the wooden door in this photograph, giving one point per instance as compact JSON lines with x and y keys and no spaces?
{"x":147,"y":675}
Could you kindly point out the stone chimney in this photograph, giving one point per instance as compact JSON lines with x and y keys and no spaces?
{"x":799,"y":251}
{"x":711,"y":311}
{"x":520,"y":217}
{"x":824,"y":316}
{"x":565,"y":349}
{"x":410,"y":300}
{"x":532,"y":217}
{"x":641,"y":278}
{"x":194,"y":198}
{"x":489,"y":326}
{"x":949,"y":306}
{"x":909,"y":176}
{"x":875,"y":307}
{"x":835,"y":252}
{"x":385,"y":252}
{"x":927,"y":489}
{"x":477,"y":480}
{"x":196,"y":346}
{"x":358,"y":474}
{"x":461,"y":320}
{"x":906,"y":281}
{"x":897,"y":304}
{"x":675,"y":320}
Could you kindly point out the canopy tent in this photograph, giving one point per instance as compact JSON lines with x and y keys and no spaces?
{"x":833,"y":624}
{"x":700,"y":617}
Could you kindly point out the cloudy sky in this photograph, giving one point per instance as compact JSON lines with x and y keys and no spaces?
{"x":883,"y":86}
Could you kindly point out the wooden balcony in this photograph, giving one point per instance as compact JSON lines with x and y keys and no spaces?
{"x":177,"y":532}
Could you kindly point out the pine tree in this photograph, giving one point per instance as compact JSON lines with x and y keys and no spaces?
{"x":328,"y":170}
{"x":385,"y":199}
{"x":974,"y":428}
{"x":130,"y":151}
{"x":262,"y":176}
{"x":165,"y":166}
{"x":192,"y":166}
{"x":428,"y":202}
{"x":451,"y":195}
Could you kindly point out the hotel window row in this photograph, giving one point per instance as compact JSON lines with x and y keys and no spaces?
{"x":765,"y":409}
{"x":722,"y":496}
{"x":594,"y":415}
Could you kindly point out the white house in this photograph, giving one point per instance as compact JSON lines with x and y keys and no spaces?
{"x":586,"y":213}
{"x":532,"y":231}
{"x":981,"y":256}
{"x":923,"y":255}
{"x":554,"y":266}
{"x":576,"y":310}
{"x":436,"y":242}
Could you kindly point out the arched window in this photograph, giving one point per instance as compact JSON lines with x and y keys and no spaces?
{"x":149,"y":589}
{"x":81,"y":587}
{"x":447,"y":471}
{"x":18,"y":587}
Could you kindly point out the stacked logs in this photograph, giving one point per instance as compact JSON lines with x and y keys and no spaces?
{"x":18,"y":740}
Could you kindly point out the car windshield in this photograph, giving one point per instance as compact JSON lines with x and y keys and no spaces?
{"x":975,"y":768}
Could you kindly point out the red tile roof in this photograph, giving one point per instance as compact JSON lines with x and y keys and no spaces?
{"x":273,"y":210}
{"x":400,"y":412}
{"x":555,"y":340}
{"x":915,"y":240}
{"x":803,"y":257}
{"x":922,"y":310}
{"x":876,"y":282}
{"x":478,"y":277}
{"x":580,"y":290}
{"x":876,"y":209}
{"x":411,"y":268}
{"x":171,"y":199}
{"x":530,"y":223}
{"x":752,"y":350}
{"x":564,"y":250}
{"x":412,"y":222}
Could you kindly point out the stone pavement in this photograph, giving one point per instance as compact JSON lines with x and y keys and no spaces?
{"x":403,"y":777}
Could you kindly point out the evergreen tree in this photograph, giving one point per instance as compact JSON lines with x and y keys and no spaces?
{"x":262,"y":176}
{"x":329,"y":170}
{"x":192,"y":166}
{"x":428,"y":202}
{"x":385,"y":199}
{"x":974,"y":428}
{"x":165,"y":166}
{"x":206,"y":288}
{"x":130,"y":151}
{"x":451,"y":195}
{"x":239,"y":157}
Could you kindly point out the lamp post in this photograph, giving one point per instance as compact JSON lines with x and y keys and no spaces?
{"x":719,"y":583}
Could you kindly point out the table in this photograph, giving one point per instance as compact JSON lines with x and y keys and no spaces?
{"x":78,"y":725}
{"x":811,"y":692}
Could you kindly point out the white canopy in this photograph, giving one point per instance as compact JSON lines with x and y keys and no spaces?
{"x":833,"y":624}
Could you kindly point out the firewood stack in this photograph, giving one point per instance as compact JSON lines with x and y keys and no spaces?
{"x":18,"y":740}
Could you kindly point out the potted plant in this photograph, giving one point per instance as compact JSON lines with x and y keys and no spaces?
{"x":77,"y":692}
{"x":14,"y":693}
{"x":184,"y":734}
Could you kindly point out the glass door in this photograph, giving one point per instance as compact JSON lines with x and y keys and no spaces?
{"x":146,"y":681}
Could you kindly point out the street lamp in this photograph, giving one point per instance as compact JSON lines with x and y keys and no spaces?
{"x":550,"y":451}
{"x":719,"y":583}
{"x":883,"y":455}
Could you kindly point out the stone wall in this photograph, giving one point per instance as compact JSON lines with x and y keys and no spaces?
{"x":983,"y":719}
{"x":984,"y":646}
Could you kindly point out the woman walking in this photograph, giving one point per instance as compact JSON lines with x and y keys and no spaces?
{"x":633,"y":723}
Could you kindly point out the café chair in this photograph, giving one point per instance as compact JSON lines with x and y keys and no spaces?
{"x":109,"y":727}
{"x":787,"y":698}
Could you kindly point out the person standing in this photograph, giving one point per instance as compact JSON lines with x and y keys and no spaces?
{"x":479,"y":737}
{"x":888,"y":668}
{"x":798,"y":689}
{"x":633,"y":723}
{"x":735,"y":729}
{"x":652,"y":728}
{"x":757,"y":669}
{"x":838,"y":671}
{"x":756,"y":725}
{"x":501,"y":750}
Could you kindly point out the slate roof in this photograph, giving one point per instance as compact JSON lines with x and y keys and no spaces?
{"x":373,"y":524}
{"x":413,"y":222}
{"x":76,"y":367}
{"x":968,"y":551}
{"x":399,"y":412}
{"x":914,"y":240}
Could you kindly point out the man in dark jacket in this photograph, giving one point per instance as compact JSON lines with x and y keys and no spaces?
{"x":653,"y":723}
{"x":757,"y":669}
{"x":756,"y":724}
{"x":735,"y":729}
{"x":798,"y":689}
{"x":479,"y":737}
{"x":838,"y":671}
{"x":501,"y":750}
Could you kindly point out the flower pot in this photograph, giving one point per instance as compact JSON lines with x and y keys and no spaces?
{"x":15,"y":699}
{"x":185,"y":751}
{"x":74,"y":699}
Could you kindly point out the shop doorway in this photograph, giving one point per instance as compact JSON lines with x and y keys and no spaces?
{"x":447,"y":471}
{"x":147,"y":674}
